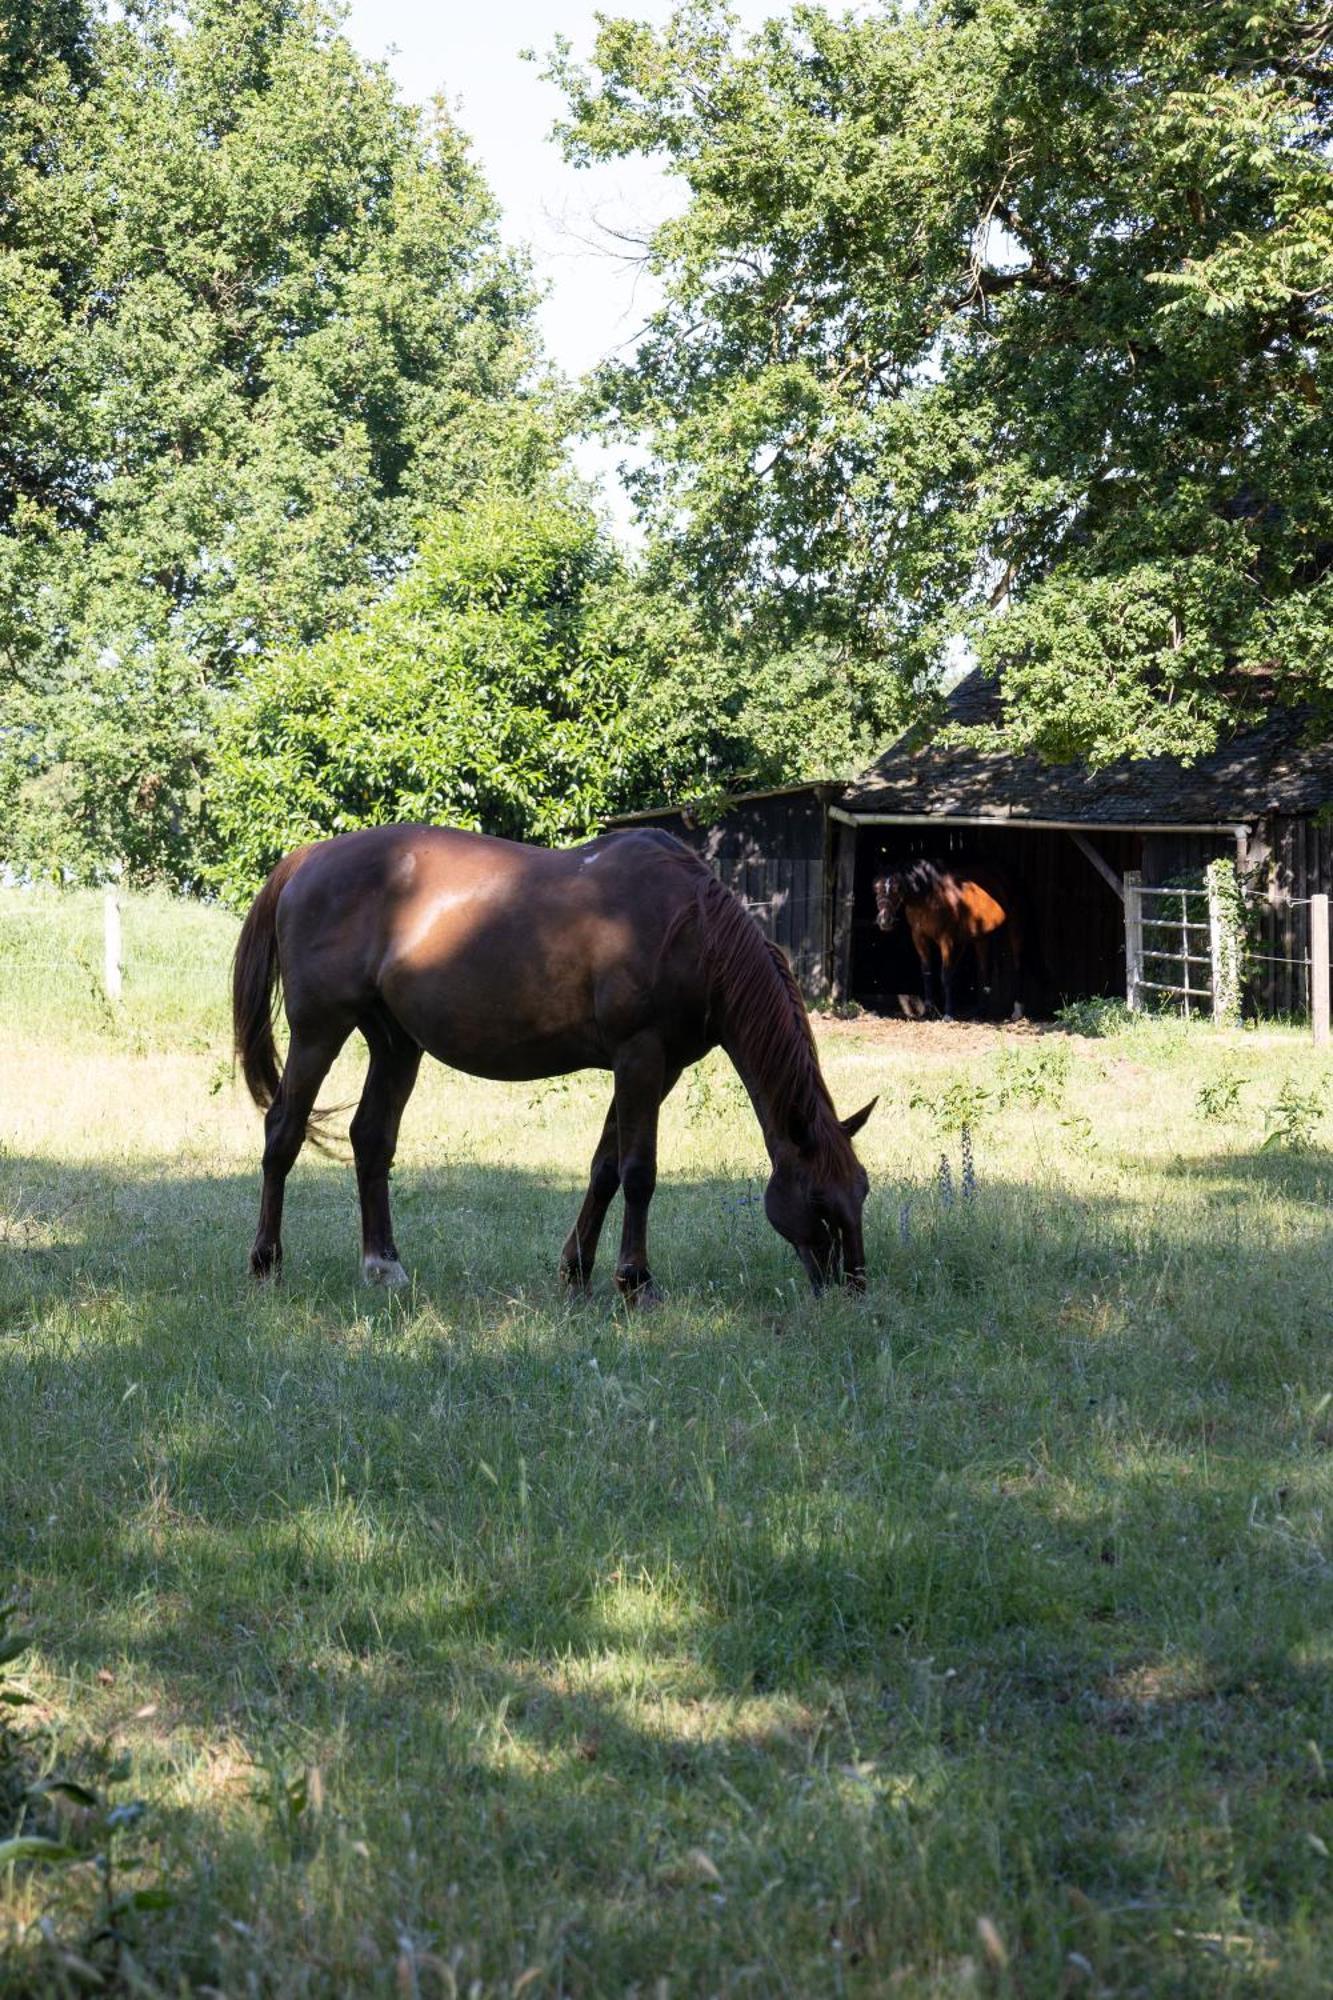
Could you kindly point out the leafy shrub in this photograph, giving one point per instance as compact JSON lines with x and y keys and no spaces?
{"x":1094,"y":1017}
{"x":1294,"y":1119}
{"x":961,"y":1105}
{"x":1034,"y":1076}
{"x":1217,"y":1100}
{"x":489,"y":690}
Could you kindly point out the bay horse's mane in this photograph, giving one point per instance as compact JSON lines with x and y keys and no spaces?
{"x":766,"y":1020}
{"x":919,"y":878}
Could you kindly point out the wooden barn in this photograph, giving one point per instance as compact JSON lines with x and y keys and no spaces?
{"x":805,"y":857}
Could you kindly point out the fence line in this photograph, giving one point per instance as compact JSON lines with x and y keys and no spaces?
{"x":1160,"y":929}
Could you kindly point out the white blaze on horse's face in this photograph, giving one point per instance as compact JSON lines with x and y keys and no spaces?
{"x":888,"y":901}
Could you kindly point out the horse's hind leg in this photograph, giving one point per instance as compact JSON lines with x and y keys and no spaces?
{"x":1015,"y":931}
{"x":394,"y":1062}
{"x":309,"y":1060}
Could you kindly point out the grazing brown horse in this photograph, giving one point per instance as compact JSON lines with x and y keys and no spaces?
{"x":951,"y":910}
{"x":518,"y":962}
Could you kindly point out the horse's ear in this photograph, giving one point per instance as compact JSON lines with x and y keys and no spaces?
{"x":851,"y":1126}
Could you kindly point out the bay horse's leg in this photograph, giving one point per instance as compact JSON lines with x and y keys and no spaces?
{"x":1014,"y":928}
{"x":948,"y":976}
{"x":309,"y":1060}
{"x":922,"y":945}
{"x":641,"y":1084}
{"x":394,"y":1063}
{"x":576,"y":1259}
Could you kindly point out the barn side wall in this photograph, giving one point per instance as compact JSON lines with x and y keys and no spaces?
{"x":771,"y":852}
{"x":1284,"y":862}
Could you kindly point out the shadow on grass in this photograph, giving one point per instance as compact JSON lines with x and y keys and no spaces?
{"x":1001,"y":1583}
{"x":1291,"y":1173}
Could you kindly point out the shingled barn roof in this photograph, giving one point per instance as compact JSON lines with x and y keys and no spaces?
{"x":1270,"y":768}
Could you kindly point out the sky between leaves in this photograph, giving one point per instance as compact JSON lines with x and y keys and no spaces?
{"x":597,"y":297}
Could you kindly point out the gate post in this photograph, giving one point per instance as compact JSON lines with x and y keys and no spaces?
{"x":1319,"y":967}
{"x":1133,"y":880}
{"x":111,"y":949}
{"x":1224,"y":939}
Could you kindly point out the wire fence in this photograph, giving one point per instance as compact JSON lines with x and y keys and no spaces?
{"x":1290,"y":986}
{"x":1176,"y":950}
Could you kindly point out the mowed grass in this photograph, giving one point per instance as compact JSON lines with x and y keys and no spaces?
{"x":971,"y":1637}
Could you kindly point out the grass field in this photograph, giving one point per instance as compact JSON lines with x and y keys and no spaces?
{"x":971,"y":1637}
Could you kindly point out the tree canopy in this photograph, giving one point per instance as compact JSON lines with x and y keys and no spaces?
{"x":255,"y":320}
{"x":522,"y":679}
{"x":1002,"y":322}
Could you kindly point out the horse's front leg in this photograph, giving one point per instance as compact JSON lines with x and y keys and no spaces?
{"x":641,"y":1084}
{"x":576,"y":1259}
{"x":580,"y":1251}
{"x":949,"y":978}
{"x":925,"y":960}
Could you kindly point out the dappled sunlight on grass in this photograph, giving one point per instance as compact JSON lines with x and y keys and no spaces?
{"x":754,"y":1643}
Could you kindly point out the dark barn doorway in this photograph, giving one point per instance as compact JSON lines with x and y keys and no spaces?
{"x":1074,"y":945}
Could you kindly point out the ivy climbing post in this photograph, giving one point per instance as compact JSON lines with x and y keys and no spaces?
{"x":1226,"y":925}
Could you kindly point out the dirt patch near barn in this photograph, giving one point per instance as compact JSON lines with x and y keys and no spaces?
{"x":952,"y":1038}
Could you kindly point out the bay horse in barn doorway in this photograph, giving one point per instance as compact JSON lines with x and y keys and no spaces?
{"x":951,"y":909}
{"x":519,"y":962}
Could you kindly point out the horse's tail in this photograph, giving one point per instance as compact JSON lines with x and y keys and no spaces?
{"x":255,"y":975}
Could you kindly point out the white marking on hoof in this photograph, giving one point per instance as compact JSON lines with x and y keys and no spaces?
{"x":383,"y":1271}
{"x":1018,"y":1014}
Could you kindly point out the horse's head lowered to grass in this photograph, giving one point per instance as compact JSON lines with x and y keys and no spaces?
{"x":816,"y":1204}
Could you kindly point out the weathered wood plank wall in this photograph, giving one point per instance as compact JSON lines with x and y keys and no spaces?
{"x":1284,"y":862}
{"x":771,"y":852}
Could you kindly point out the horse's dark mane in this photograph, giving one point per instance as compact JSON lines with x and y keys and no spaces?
{"x":766,"y":1022}
{"x":919,"y":878}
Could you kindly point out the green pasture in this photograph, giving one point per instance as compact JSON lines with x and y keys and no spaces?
{"x":971,"y":1637}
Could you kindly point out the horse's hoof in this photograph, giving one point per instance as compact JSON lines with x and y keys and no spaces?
{"x":1018,"y":1014}
{"x":574,"y":1277}
{"x":637,"y":1289}
{"x":386,"y":1271}
{"x":265,"y":1266}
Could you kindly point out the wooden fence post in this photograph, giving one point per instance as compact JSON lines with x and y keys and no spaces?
{"x":1319,"y":967}
{"x":1133,"y":881}
{"x":111,"y":951}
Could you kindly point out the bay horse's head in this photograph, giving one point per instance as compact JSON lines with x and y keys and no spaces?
{"x":889,"y":894}
{"x":814,"y":1198}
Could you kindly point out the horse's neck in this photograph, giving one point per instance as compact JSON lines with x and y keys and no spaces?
{"x":779,"y":1071}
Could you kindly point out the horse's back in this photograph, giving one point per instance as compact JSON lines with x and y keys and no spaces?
{"x":498,"y":957}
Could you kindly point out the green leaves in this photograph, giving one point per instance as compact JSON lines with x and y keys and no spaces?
{"x":254,"y":315}
{"x":994,"y":325}
{"x":31,"y":1847}
{"x":487,"y":690}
